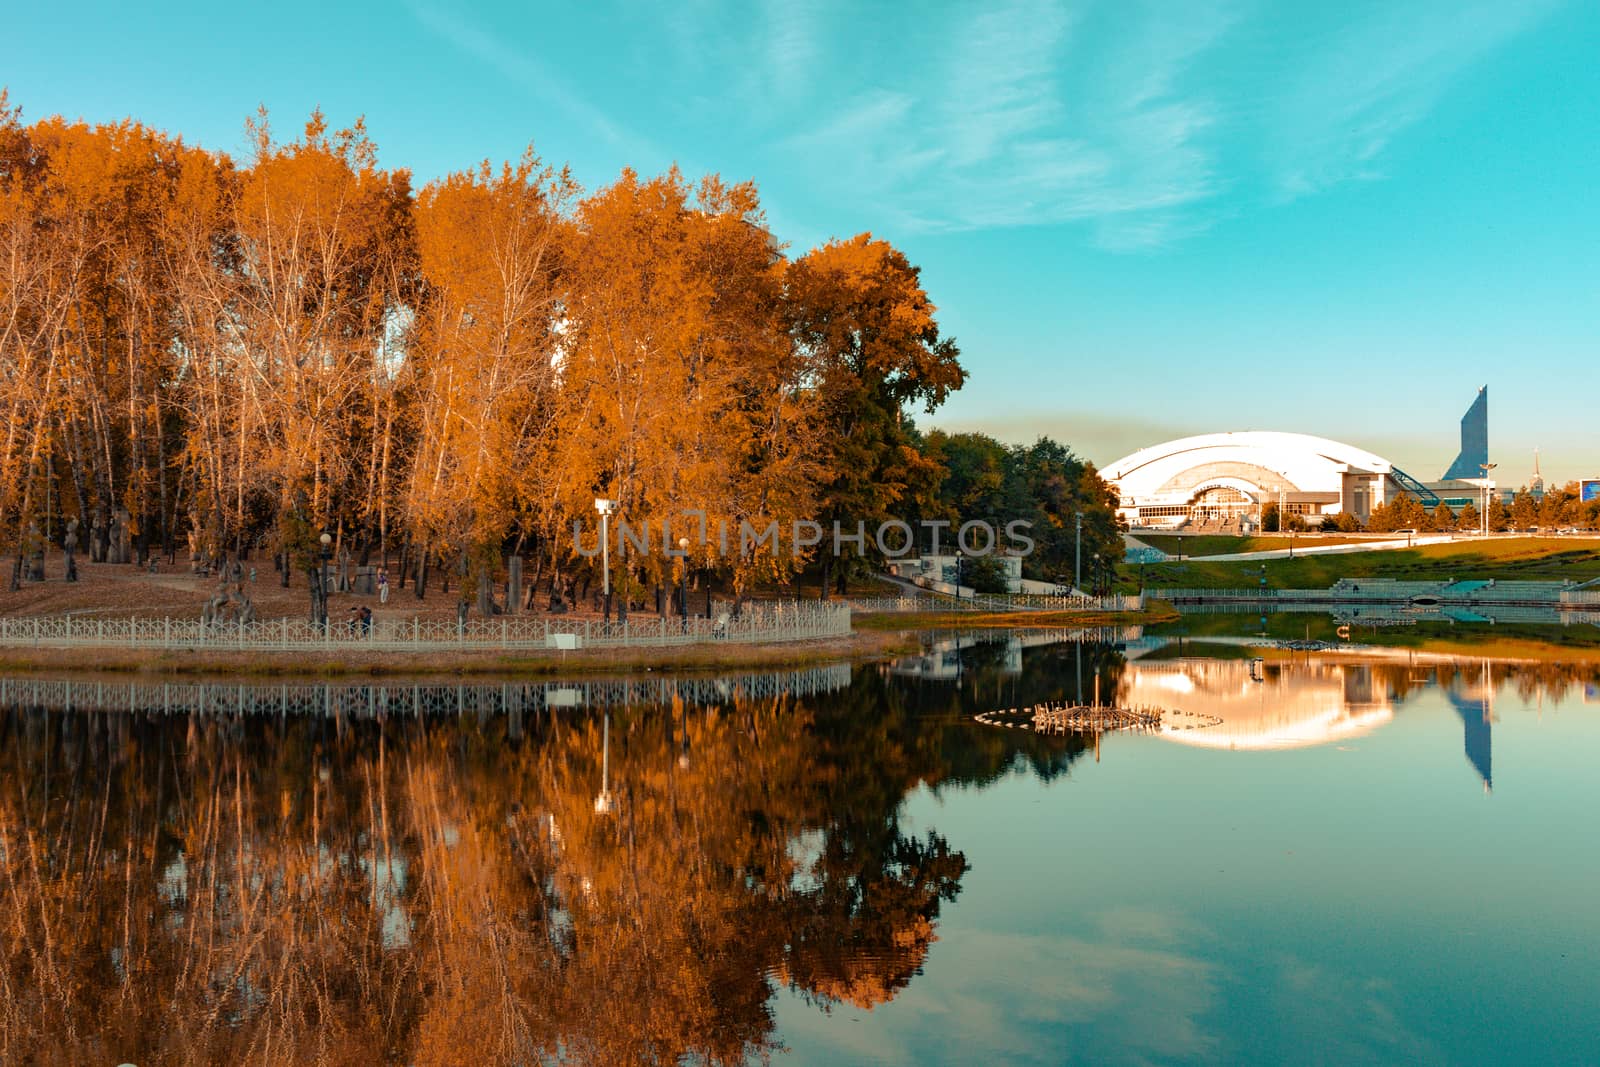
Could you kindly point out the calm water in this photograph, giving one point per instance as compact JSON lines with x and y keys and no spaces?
{"x":1381,"y":857}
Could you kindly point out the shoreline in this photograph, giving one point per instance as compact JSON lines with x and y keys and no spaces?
{"x":874,"y":637}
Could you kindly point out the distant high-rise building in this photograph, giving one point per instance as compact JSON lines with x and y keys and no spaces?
{"x":1474,"y":440}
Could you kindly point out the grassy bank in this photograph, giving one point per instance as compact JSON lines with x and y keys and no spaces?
{"x":1227,"y":544}
{"x":1521,"y":558}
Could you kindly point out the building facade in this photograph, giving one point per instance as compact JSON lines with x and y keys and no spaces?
{"x":1224,"y":480}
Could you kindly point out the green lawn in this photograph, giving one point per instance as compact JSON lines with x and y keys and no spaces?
{"x":1531,"y":558}
{"x":1227,"y":544}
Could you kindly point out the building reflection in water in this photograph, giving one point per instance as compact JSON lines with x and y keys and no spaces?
{"x":1262,"y":706}
{"x":1281,"y":704}
{"x":1474,"y":702}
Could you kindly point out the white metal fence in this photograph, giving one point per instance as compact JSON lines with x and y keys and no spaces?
{"x":1380,"y":590}
{"x":388,"y":697}
{"x":778,"y":622}
{"x":987,"y":602}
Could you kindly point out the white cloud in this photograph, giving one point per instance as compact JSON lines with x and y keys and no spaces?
{"x":790,"y":28}
{"x":1135,"y":120}
{"x":1025,"y":125}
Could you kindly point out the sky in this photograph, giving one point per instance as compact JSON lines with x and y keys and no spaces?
{"x":1139,"y":220}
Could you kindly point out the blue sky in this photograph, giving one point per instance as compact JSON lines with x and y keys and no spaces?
{"x":1139,"y":220}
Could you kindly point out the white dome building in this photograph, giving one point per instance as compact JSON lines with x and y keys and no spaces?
{"x":1224,"y":479}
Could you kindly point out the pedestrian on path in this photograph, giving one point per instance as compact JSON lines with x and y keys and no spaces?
{"x":383,"y":585}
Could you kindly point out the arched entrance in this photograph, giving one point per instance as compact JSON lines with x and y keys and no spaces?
{"x":1223,"y":504}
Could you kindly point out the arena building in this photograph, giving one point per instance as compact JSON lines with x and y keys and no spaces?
{"x":1223,"y":480}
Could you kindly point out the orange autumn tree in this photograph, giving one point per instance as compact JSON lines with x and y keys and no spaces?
{"x":40,"y":267}
{"x":682,"y":399}
{"x":323,"y":244}
{"x":106,"y":189}
{"x":247,"y":354}
{"x":483,"y":357}
{"x":759,"y":457}
{"x":637,"y":385}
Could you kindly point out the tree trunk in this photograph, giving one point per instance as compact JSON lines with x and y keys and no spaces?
{"x":486,"y":605}
{"x":627,"y":574}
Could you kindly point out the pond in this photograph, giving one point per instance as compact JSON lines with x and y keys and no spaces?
{"x":1337,"y":855}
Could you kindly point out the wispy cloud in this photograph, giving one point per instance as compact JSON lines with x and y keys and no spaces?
{"x":1015,"y":130}
{"x":1143,"y":123}
{"x":1378,"y":77}
{"x":790,"y":29}
{"x":521,"y":68}
{"x":1139,"y":121}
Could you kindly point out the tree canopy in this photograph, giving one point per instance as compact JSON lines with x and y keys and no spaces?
{"x":236,"y":356}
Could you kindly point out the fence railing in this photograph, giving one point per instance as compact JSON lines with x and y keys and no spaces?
{"x":1378,"y":590}
{"x":372,"y":699}
{"x":990,"y":602}
{"x":775,"y":623}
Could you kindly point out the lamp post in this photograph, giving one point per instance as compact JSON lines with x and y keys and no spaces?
{"x":604,"y":507}
{"x":1486,"y":468}
{"x":683,"y":580}
{"x":322,"y":579}
{"x":1077,"y":557}
{"x":958,"y":573}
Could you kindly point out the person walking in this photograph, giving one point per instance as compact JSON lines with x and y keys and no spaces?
{"x":383,"y":585}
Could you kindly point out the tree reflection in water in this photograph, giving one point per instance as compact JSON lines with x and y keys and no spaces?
{"x":335,"y":890}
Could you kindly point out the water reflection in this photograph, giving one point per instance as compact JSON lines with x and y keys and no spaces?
{"x":503,"y":880}
{"x":604,"y":872}
{"x":366,"y":700}
{"x":1261,"y":705}
{"x":1473,"y":700}
{"x":1312,"y":700}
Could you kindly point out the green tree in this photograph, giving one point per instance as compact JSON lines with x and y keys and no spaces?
{"x":1524,"y":511}
{"x":857,"y":311}
{"x":1499,"y":515}
{"x":1385,"y":517}
{"x":984,"y":574}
